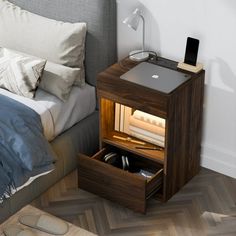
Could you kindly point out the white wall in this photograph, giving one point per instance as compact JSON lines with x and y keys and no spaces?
{"x":169,"y":23}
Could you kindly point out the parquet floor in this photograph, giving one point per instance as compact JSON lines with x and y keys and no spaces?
{"x":205,"y":206}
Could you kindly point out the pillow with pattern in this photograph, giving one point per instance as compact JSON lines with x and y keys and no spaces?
{"x":20,"y":73}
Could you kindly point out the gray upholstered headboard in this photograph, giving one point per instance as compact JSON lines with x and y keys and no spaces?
{"x":100,"y":16}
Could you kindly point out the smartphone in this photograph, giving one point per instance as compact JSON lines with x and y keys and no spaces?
{"x":191,"y":51}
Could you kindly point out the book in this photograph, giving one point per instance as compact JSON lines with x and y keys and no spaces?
{"x":147,"y":139}
{"x":147,"y":126}
{"x":122,"y":112}
{"x":140,"y":115}
{"x":127,"y":115}
{"x":147,"y":133}
{"x":117,"y":117}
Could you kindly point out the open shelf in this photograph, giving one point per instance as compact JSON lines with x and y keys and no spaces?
{"x":155,"y":155}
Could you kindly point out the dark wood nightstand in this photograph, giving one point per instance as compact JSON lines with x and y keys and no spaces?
{"x":174,"y":166}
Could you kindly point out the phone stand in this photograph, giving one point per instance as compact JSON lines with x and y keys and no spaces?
{"x":194,"y":69}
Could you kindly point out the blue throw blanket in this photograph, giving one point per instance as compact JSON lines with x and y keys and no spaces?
{"x":24,"y":151}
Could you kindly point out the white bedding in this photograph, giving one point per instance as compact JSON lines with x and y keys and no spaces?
{"x":56,"y":115}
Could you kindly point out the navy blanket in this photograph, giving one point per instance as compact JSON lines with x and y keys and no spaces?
{"x":24,"y":151}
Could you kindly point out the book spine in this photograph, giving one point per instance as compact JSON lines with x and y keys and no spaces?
{"x":146,"y":126}
{"x":117,"y":117}
{"x":147,"y":139}
{"x":155,"y":120}
{"x":147,"y":133}
{"x":122,"y":111}
{"x":127,"y":115}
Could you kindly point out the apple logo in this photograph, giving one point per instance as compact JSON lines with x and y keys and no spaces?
{"x":155,"y":76}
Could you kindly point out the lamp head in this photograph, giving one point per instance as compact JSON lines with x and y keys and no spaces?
{"x":133,"y":20}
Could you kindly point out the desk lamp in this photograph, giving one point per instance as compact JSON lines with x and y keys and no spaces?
{"x":133,"y":22}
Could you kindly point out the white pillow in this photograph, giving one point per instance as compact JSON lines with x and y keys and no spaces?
{"x":20,"y":73}
{"x":58,"y":79}
{"x":56,"y":41}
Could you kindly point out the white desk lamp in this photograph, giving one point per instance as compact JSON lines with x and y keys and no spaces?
{"x":133,"y":22}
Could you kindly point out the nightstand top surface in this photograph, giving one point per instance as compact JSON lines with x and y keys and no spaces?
{"x":156,"y":77}
{"x":116,"y":71}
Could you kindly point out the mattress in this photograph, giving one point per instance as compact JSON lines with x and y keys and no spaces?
{"x":56,"y":115}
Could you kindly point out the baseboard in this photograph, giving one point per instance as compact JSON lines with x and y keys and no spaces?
{"x":219,"y":159}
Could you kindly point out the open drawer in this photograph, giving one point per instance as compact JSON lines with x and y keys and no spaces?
{"x":128,"y":189}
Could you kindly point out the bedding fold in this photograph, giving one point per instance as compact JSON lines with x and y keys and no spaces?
{"x":24,"y":151}
{"x":56,"y":115}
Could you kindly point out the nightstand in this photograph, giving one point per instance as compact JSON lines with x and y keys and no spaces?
{"x":173,"y":166}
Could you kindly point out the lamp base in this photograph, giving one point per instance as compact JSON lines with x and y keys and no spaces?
{"x":138,"y":55}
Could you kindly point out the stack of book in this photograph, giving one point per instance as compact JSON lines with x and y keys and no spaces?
{"x":147,"y":127}
{"x":122,"y":116}
{"x":139,"y":124}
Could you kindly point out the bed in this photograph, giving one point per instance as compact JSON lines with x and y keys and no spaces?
{"x":100,"y":52}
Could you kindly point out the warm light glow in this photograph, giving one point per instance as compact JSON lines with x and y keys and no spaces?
{"x":140,"y":125}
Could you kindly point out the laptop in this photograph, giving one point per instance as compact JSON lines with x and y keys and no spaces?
{"x":155,"y":77}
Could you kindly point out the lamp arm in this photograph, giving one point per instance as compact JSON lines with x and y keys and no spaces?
{"x":143,"y":46}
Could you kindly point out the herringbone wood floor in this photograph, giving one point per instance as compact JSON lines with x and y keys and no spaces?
{"x":205,"y":206}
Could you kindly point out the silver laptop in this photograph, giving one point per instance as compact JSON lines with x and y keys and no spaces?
{"x":155,"y":77}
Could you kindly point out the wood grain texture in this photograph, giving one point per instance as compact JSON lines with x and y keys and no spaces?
{"x":128,"y":189}
{"x":206,"y":205}
{"x":106,"y":115}
{"x":180,"y":160}
{"x":154,"y":155}
{"x":181,"y":108}
{"x":110,"y":86}
{"x":184,"y":129}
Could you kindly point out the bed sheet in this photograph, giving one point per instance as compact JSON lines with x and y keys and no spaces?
{"x":56,"y":115}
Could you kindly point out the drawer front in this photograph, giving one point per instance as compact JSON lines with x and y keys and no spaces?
{"x":127,"y":189}
{"x":112,"y":183}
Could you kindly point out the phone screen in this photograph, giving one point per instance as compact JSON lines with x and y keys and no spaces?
{"x":191,"y":51}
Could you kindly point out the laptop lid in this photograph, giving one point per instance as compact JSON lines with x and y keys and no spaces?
{"x":155,"y":77}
